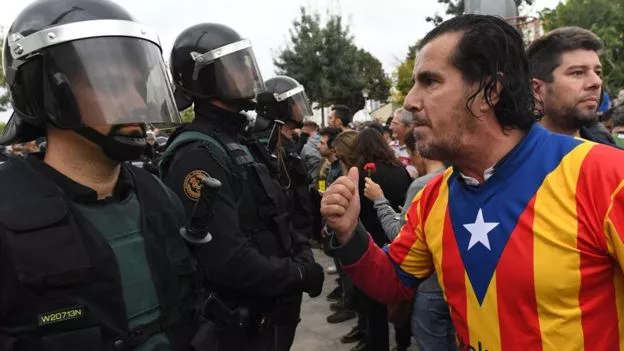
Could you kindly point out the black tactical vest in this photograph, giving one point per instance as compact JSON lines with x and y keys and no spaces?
{"x":263,"y":207}
{"x":295,"y":182}
{"x":59,"y":279}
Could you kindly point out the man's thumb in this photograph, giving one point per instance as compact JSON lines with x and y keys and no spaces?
{"x":354,"y":176}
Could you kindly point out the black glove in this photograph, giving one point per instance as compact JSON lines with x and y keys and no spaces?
{"x":312,"y":278}
{"x":304,"y":255}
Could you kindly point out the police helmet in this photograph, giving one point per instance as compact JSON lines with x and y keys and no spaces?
{"x":285,"y":100}
{"x":212,"y":61}
{"x":81,"y":63}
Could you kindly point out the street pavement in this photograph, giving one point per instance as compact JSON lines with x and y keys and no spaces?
{"x":314,"y":333}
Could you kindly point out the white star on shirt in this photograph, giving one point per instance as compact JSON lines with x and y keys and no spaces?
{"x":479,"y":231}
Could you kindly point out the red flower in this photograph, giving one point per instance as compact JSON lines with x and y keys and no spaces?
{"x":371,"y":168}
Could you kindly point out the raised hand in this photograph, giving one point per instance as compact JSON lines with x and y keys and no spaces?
{"x":340,"y":205}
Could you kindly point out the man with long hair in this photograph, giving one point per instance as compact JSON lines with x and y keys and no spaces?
{"x":525,"y":231}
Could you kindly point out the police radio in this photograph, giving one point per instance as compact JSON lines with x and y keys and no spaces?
{"x":196,"y":230}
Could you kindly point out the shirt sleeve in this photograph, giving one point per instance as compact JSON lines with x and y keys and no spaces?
{"x":614,"y":226}
{"x":394,"y":272}
{"x":390,"y":220}
{"x":409,"y":250}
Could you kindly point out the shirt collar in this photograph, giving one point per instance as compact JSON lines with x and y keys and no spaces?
{"x":473,"y":181}
{"x":77,"y":192}
{"x":489,"y":172}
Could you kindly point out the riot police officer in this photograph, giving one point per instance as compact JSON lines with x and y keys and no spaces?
{"x":91,"y":256}
{"x":281,"y":109}
{"x":255,"y":260}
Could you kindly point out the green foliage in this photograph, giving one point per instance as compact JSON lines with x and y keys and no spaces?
{"x":403,"y":81}
{"x":603,"y":17}
{"x":402,"y":76}
{"x":325,"y":60}
{"x":187,"y":115}
{"x":376,"y":83}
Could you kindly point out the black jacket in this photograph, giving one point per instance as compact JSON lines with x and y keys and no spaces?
{"x":394,"y":181}
{"x":246,"y":258}
{"x":59,"y":278}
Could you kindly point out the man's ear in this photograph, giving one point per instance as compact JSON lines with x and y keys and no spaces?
{"x":539,"y":88}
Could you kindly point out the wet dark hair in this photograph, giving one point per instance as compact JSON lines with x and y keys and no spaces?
{"x":545,"y":52}
{"x":491,"y":52}
{"x":372,"y":147}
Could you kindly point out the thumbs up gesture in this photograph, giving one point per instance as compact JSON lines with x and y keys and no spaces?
{"x":340,"y":205}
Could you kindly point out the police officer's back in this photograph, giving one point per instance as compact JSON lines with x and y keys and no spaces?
{"x":253,"y":259}
{"x":91,"y":256}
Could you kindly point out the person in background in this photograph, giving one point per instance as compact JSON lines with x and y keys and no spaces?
{"x":567,"y":81}
{"x":401,"y":122}
{"x":431,"y":322}
{"x":617,"y":120}
{"x":387,"y":134}
{"x":351,"y":304}
{"x":310,"y":152}
{"x":371,"y":149}
{"x":312,"y":158}
{"x":340,"y":117}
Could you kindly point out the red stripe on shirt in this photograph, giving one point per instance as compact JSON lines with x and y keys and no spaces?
{"x":416,"y":216}
{"x":376,"y":275}
{"x":454,"y":281}
{"x":597,"y":298}
{"x":517,"y":305}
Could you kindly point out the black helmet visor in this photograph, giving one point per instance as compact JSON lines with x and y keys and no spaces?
{"x":112,"y":76}
{"x":236,"y":72}
{"x":298,"y":103}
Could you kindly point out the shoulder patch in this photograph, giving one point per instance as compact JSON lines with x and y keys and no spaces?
{"x":192,"y":183}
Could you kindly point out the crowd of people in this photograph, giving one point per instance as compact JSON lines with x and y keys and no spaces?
{"x":484,"y":214}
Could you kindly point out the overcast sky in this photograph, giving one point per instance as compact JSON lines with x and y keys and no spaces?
{"x":385,"y":28}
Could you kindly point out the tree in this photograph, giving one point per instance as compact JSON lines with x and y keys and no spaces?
{"x":403,"y":75}
{"x":302,"y":60}
{"x":376,"y":83}
{"x":456,"y":8}
{"x":603,"y":17}
{"x":403,"y":81}
{"x":324,"y":59}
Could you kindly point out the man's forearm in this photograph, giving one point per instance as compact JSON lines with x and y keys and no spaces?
{"x":370,"y":268}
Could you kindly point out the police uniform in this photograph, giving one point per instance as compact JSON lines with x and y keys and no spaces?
{"x":285,"y":102}
{"x":255,"y":262}
{"x":72,"y":276}
{"x":78,"y":272}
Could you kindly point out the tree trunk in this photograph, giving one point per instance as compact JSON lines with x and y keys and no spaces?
{"x":322,"y":112}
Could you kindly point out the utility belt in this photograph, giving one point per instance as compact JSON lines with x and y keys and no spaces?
{"x":241,"y":317}
{"x":140,"y":334}
{"x":250,"y":316}
{"x":131,"y":340}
